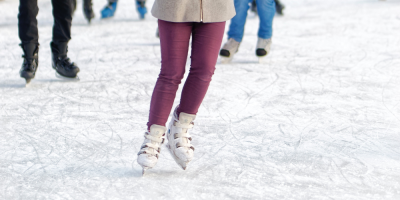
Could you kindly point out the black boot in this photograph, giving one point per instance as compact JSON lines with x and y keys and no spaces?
{"x":279,"y":7}
{"x":31,"y":61}
{"x":60,"y":61}
{"x":87,"y":10}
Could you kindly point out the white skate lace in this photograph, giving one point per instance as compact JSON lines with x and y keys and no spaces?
{"x":232,"y":45}
{"x":186,"y":137}
{"x":149,"y":147}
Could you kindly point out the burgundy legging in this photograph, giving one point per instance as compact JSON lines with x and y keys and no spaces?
{"x":174,"y":37}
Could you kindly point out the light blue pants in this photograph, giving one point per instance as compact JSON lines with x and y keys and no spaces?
{"x":266,"y":11}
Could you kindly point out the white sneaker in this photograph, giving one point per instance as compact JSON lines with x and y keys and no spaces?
{"x":179,"y":138}
{"x":263,"y":47}
{"x":150,"y":150}
{"x":229,"y":49}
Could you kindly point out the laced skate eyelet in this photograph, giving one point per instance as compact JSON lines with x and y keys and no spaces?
{"x":175,"y":136}
{"x":177,"y":145}
{"x":190,"y":138}
{"x":192,"y":147}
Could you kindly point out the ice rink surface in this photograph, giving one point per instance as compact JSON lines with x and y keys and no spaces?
{"x":318,"y":119}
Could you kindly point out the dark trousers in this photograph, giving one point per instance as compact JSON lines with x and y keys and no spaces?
{"x":27,"y":22}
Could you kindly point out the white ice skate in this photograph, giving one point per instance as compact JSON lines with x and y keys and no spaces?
{"x":228,"y":50}
{"x":263,"y":48}
{"x":179,"y":139}
{"x":150,"y":150}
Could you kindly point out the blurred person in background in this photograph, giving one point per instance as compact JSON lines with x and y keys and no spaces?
{"x":29,"y":36}
{"x":109,"y":10}
{"x":87,"y":9}
{"x":278,"y":6}
{"x":266,"y":12}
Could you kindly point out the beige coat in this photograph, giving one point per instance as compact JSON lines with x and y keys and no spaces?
{"x":194,"y":10}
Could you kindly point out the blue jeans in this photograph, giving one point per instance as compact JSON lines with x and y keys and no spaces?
{"x":266,"y":11}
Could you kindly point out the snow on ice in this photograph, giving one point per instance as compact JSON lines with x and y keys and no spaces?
{"x":318,"y":119}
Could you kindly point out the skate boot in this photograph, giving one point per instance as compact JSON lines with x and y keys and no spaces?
{"x":263,"y":48}
{"x":150,"y":150}
{"x":279,"y":7}
{"x":179,"y":138}
{"x":60,"y":61}
{"x":109,"y":10}
{"x":228,"y":50}
{"x":88,"y":10}
{"x":31,"y":61}
{"x":141,"y":8}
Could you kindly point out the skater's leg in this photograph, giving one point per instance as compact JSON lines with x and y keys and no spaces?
{"x":27,"y":23}
{"x":87,"y":3}
{"x":109,"y":10}
{"x":88,"y":10}
{"x":141,"y":8}
{"x":279,"y":7}
{"x":28,"y":34}
{"x":206,"y":41}
{"x":62,"y":12}
{"x":174,"y":39}
{"x":266,"y":11}
{"x":236,"y":28}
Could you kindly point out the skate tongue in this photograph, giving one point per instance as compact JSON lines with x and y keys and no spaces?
{"x":30,"y":50}
{"x":157,"y":130}
{"x":185,"y":118}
